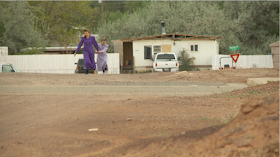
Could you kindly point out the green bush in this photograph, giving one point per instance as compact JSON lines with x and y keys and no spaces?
{"x":31,"y":51}
{"x":186,"y":62}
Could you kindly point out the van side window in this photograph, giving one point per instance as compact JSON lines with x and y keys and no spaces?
{"x":7,"y":69}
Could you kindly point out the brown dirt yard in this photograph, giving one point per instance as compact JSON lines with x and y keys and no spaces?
{"x":194,"y":113}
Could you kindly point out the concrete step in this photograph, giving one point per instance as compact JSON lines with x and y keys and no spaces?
{"x":258,"y":81}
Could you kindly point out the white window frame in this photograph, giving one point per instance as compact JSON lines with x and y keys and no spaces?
{"x":193,"y":44}
{"x":154,"y":53}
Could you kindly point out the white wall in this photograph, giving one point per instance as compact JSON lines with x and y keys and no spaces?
{"x":138,"y":50}
{"x":206,"y":48}
{"x":244,"y":61}
{"x":3,"y":51}
{"x":64,"y":63}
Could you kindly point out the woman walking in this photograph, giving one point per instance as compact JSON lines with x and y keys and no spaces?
{"x":88,"y":50}
{"x":102,"y":56}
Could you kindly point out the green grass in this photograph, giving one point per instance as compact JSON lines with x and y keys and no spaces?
{"x":243,"y":96}
{"x":232,"y":96}
{"x":203,"y":118}
{"x":163,"y":133}
{"x":141,"y":72}
{"x":225,"y":120}
{"x":269,"y":81}
{"x":214,"y":123}
{"x":253,"y":92}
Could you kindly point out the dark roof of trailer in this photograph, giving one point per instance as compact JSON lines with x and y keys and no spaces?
{"x":175,"y":36}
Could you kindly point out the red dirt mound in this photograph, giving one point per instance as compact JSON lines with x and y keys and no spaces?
{"x":253,"y":132}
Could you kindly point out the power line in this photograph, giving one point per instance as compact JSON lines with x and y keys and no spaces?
{"x":102,"y":14}
{"x":106,"y":2}
{"x":113,"y":7}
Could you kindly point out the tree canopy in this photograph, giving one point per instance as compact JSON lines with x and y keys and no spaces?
{"x":62,"y":21}
{"x":114,"y":10}
{"x":17,"y":27}
{"x":252,"y":25}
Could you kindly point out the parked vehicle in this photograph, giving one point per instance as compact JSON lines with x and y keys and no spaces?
{"x":7,"y":68}
{"x":81,"y":67}
{"x":166,"y":62}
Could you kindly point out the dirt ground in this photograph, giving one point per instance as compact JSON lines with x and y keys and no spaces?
{"x":42,"y":115}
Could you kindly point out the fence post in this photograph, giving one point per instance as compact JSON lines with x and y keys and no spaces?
{"x":133,"y":65}
{"x":121,"y":64}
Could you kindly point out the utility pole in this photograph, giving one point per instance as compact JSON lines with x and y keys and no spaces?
{"x":101,"y":1}
{"x":102,"y":14}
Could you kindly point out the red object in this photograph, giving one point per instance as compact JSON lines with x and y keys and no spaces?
{"x":156,"y":64}
{"x":235,"y":57}
{"x":176,"y":64}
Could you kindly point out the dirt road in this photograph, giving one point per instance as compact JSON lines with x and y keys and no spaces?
{"x":151,"y":88}
{"x":50,"y":114}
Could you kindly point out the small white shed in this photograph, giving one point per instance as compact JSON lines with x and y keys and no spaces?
{"x":3,"y":51}
{"x":275,"y":54}
{"x":201,"y":47}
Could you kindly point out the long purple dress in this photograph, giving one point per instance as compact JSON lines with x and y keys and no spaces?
{"x":88,"y":51}
{"x":102,"y":58}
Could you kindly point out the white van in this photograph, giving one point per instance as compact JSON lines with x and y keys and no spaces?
{"x":7,"y":68}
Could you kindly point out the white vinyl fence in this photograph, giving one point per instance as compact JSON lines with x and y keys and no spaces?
{"x":64,"y":63}
{"x":244,"y":61}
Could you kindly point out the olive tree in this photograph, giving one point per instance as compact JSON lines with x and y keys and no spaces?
{"x":186,"y":62}
{"x":180,"y":17}
{"x":18,"y":27}
{"x":252,"y":25}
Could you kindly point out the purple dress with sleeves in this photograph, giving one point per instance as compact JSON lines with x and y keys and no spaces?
{"x":102,"y":58}
{"x":88,"y":51}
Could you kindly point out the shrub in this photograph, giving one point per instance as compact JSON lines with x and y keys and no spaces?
{"x":186,"y":62}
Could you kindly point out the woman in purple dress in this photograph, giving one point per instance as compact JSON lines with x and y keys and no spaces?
{"x":88,"y":50}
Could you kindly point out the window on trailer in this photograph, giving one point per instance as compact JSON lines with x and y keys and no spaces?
{"x":194,"y":47}
{"x":157,"y":49}
{"x":147,"y":52}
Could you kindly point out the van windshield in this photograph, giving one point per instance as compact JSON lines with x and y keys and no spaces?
{"x":16,"y":70}
{"x":166,"y":57}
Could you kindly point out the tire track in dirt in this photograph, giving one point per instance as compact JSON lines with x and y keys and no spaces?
{"x":131,"y":89}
